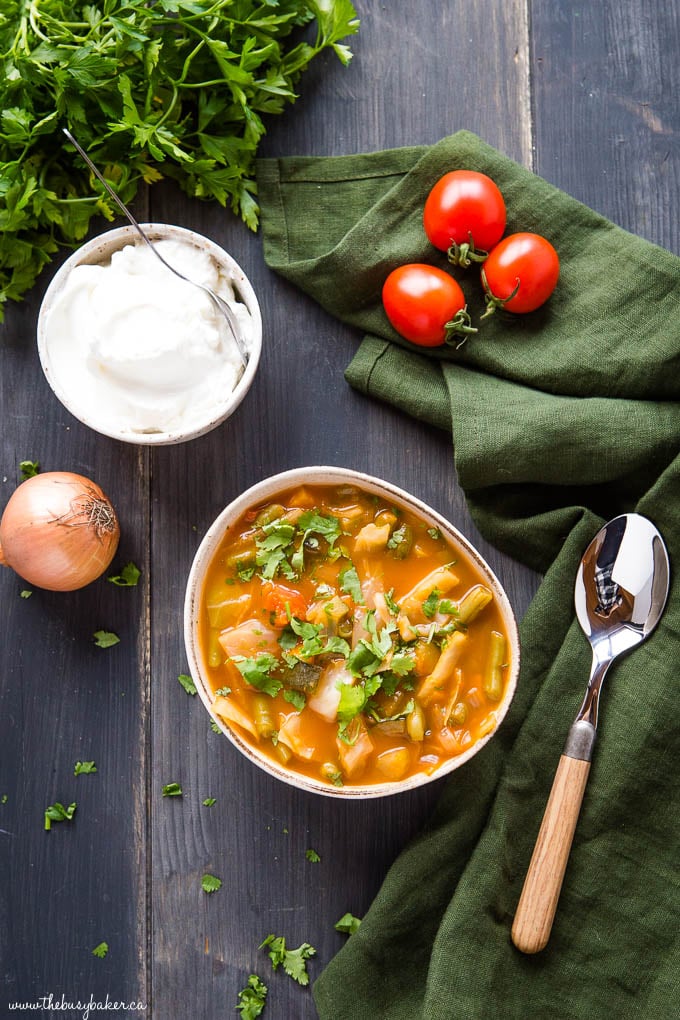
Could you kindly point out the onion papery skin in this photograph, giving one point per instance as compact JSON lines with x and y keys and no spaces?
{"x":58,"y":531}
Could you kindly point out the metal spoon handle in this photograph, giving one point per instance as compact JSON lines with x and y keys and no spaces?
{"x":119,"y":202}
{"x":543,"y":883}
{"x":221,"y":305}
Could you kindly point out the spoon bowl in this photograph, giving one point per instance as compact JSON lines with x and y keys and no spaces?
{"x":621,"y":591}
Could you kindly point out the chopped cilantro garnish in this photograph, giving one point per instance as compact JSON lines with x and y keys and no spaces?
{"x":293,"y":960}
{"x":187,"y":683}
{"x":258,"y":673}
{"x":350,"y":584}
{"x":312,"y":856}
{"x":214,"y":727}
{"x":58,"y":813}
{"x":223,"y":692}
{"x":273,"y":550}
{"x":449,"y":607}
{"x":101,"y":950}
{"x":348,"y":924}
{"x":25,"y":593}
{"x":245,"y":571}
{"x":324,"y":591}
{"x":434,"y":533}
{"x":402,"y":663}
{"x":296,"y":699}
{"x":251,"y":999}
{"x":210,"y":883}
{"x":128,"y":577}
{"x":29,"y":468}
{"x":398,"y":537}
{"x":84,"y":768}
{"x":431,"y":603}
{"x":352,"y":700}
{"x":209,"y":801}
{"x":391,"y":604}
{"x":4,"y":798}
{"x":172,"y":790}
{"x":105,"y":638}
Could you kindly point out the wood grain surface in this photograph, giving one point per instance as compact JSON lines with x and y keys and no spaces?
{"x":585,"y":94}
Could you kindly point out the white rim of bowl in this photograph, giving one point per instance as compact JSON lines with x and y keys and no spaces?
{"x":329,"y":475}
{"x":102,"y":247}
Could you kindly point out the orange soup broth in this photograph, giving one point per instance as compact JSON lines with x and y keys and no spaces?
{"x":244,"y":600}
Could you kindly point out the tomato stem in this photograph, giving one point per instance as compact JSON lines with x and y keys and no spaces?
{"x":493,"y":302}
{"x":465,"y":254}
{"x":459,"y":326}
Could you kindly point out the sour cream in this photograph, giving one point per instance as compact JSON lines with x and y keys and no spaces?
{"x":136,"y":349}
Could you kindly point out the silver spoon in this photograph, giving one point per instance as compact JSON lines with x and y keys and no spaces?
{"x":621,"y":591}
{"x":219,"y":303}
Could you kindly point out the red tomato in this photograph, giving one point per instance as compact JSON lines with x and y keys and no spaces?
{"x":279,"y":599}
{"x":464,"y":207}
{"x":421,"y":300}
{"x":525,"y":263}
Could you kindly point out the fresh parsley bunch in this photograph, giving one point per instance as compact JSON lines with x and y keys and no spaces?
{"x":172,"y":88}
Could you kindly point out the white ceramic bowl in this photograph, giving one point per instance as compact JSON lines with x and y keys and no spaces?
{"x":99,"y":250}
{"x":261,"y":493}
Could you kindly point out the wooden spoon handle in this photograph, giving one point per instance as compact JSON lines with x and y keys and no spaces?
{"x":538,"y":902}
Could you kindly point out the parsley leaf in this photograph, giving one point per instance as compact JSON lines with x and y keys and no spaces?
{"x":348,"y":923}
{"x":84,"y":768}
{"x":101,"y":950}
{"x":312,"y":856}
{"x":58,"y":813}
{"x":210,"y":883}
{"x":128,"y":577}
{"x":147,"y":101}
{"x":187,"y":683}
{"x":293,"y":960}
{"x":172,"y":790}
{"x":251,"y":999}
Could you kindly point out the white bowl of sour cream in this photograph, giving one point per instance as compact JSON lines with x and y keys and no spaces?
{"x":138,"y":354}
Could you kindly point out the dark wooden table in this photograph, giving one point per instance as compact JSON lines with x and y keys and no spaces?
{"x":585,"y":94}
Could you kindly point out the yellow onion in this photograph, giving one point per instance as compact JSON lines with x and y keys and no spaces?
{"x":59,"y":531}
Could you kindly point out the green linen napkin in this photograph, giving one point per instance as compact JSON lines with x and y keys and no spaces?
{"x":559,"y":420}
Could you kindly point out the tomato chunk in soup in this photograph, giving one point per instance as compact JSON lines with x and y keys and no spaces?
{"x":347,"y":639}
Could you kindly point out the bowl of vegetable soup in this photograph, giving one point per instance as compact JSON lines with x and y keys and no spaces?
{"x":346,"y":637}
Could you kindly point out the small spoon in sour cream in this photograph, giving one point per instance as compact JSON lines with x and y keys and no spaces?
{"x":217,"y":301}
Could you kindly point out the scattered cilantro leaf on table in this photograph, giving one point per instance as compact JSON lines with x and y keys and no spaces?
{"x":101,"y":950}
{"x":25,"y":593}
{"x":84,"y":768}
{"x":128,"y":577}
{"x":28,"y":468}
{"x":58,"y":813}
{"x":167,"y":89}
{"x":293,"y":960}
{"x":312,"y":856}
{"x":348,"y":924}
{"x":251,"y":999}
{"x":210,"y":883}
{"x":105,"y":638}
{"x":172,"y":790}
{"x":187,"y":683}
{"x":209,"y":801}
